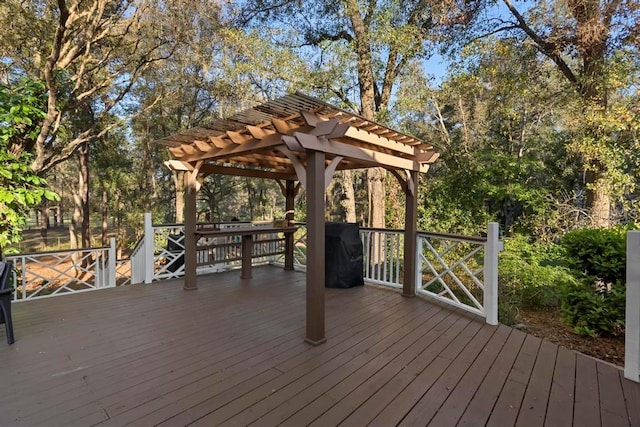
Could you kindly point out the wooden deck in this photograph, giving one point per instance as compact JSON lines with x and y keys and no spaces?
{"x":232,"y":353}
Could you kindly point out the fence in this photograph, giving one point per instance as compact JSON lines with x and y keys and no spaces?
{"x":461,"y":271}
{"x":159,"y":255}
{"x":46,"y":274}
{"x":383,"y":254}
{"x":632,"y":315}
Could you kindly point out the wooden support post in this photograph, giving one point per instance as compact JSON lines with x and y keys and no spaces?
{"x":632,"y":317}
{"x":410,"y":235}
{"x":290,"y":196}
{"x":190,"y":240}
{"x":247,"y":252}
{"x":315,"y":247}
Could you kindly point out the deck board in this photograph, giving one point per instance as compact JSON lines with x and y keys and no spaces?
{"x":232,"y":353}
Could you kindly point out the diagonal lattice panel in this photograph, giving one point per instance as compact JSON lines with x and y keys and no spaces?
{"x":452,"y":270}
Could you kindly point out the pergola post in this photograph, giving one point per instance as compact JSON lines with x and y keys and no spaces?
{"x":190,"y":220}
{"x":410,"y":235}
{"x":290,"y":196}
{"x":315,"y":247}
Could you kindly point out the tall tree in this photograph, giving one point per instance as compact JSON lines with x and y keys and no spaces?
{"x":359,"y":49}
{"x":587,"y":40}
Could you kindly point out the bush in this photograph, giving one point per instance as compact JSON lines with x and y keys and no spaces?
{"x":594,"y":309}
{"x":595,"y":304}
{"x":597,"y":252}
{"x":530,"y":277}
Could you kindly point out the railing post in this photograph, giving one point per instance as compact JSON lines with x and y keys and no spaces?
{"x":491,"y":249}
{"x":632,"y":317}
{"x":148,"y":247}
{"x":112,"y":263}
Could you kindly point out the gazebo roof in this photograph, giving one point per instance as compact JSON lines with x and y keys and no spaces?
{"x":270,"y":140}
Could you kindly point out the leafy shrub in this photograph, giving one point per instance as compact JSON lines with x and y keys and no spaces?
{"x":530,"y":276}
{"x":597,"y":252}
{"x":594,"y":309}
{"x":595,"y":304}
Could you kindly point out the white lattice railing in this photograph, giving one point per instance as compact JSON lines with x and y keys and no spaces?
{"x":460,"y":270}
{"x":47,"y":274}
{"x":383,"y":256}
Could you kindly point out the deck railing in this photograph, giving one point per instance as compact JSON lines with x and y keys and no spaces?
{"x":159,"y":255}
{"x":632,"y":312}
{"x":383,"y":254}
{"x":461,"y":270}
{"x":47,"y":274}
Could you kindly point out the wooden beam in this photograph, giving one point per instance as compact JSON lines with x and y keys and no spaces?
{"x":258,"y":132}
{"x":297,"y":165}
{"x":177,"y":165}
{"x":233,"y":150}
{"x":330,"y":169}
{"x":203,"y":146}
{"x":219,"y":142}
{"x":238,"y":138}
{"x":427,"y":157}
{"x":209,"y":169}
{"x":315,"y":248}
{"x":373,"y":158}
{"x":283,"y":126}
{"x":379,"y":141}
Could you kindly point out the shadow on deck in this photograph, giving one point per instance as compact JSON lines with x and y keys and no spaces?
{"x":232,"y":353}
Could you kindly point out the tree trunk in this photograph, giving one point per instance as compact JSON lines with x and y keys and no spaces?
{"x":76,"y":218}
{"x":349,"y":200}
{"x":44,"y":224}
{"x":375,"y":181}
{"x":105,"y":217}
{"x":178,"y":180}
{"x":83,"y":154}
{"x":598,"y":199}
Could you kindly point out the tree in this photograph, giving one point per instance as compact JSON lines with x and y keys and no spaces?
{"x":590,"y":41}
{"x":21,"y":189}
{"x":499,"y":122}
{"x":357,"y":52}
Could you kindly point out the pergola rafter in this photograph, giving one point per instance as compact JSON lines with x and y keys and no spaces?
{"x":299,"y":138}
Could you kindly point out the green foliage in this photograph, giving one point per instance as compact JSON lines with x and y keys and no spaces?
{"x":596,"y":252}
{"x":595,"y":303}
{"x":594,"y":309}
{"x":21,"y":110}
{"x":530,"y":277}
{"x":20,"y":190}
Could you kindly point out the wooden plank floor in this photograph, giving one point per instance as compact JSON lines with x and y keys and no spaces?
{"x":232,"y":353}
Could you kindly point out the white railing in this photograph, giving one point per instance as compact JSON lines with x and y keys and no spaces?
{"x":460,"y":270}
{"x":383,"y":252}
{"x":47,"y":274}
{"x":632,"y":315}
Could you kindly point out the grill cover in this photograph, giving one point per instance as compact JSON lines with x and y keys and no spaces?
{"x":343,"y":255}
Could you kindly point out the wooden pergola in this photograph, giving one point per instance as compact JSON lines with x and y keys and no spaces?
{"x":299,"y":138}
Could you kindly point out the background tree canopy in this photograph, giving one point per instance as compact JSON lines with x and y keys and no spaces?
{"x":536,"y":118}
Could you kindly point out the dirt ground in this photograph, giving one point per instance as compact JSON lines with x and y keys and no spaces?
{"x":549,"y":325}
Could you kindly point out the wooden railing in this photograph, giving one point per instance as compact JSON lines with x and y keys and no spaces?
{"x":159,"y":254}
